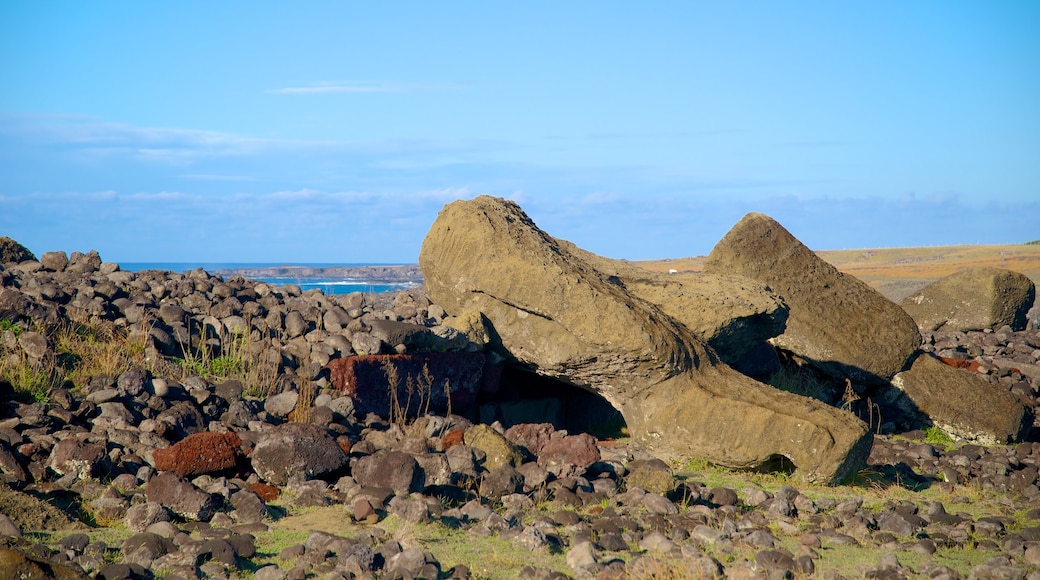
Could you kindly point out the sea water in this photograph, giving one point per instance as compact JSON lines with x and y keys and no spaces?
{"x":326,"y":285}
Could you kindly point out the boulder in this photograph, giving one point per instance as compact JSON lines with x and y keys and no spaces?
{"x":391,"y":470}
{"x":498,"y":450}
{"x":54,"y":260}
{"x":962,"y":404}
{"x":837,"y":323}
{"x":179,"y":421}
{"x":79,"y":457}
{"x":556,"y":314}
{"x":972,"y":299}
{"x":569,"y":455}
{"x":732,"y":314}
{"x":296,"y":452}
{"x":181,"y":497}
{"x":199,"y":453}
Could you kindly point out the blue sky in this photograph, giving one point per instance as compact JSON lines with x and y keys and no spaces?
{"x":335,"y":131}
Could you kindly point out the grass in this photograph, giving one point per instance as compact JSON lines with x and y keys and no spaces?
{"x":236,"y":357}
{"x":495,"y":557}
{"x":939,"y":438}
{"x":81,"y":350}
{"x":86,"y":349}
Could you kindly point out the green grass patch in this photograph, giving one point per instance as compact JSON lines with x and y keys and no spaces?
{"x":939,"y":438}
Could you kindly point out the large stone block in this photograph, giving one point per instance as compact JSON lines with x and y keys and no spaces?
{"x":296,"y":452}
{"x":732,"y":314}
{"x":556,"y":314}
{"x":963,"y":404}
{"x":199,"y":453}
{"x":837,"y":323}
{"x":972,"y":299}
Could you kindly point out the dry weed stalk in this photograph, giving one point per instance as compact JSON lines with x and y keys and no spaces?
{"x":419,"y":389}
{"x":393,"y":382}
{"x":305,"y":404}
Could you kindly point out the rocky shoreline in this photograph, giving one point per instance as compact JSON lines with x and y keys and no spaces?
{"x":194,"y":471}
{"x":407,"y":273}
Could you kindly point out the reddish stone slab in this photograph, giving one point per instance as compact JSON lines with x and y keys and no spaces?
{"x":199,"y":453}
{"x":423,"y":381}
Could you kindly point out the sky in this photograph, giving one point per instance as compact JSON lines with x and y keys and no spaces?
{"x":329,"y":131}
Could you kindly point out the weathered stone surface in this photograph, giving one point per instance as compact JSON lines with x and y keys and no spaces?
{"x":181,"y":497}
{"x":35,"y":345}
{"x":199,"y":453}
{"x":16,"y":564}
{"x":78,"y":457}
{"x":561,"y":317}
{"x":392,"y":470}
{"x":10,"y":470}
{"x":530,"y":436}
{"x":729,"y":313}
{"x":962,"y":404}
{"x":973,"y":299}
{"x":54,"y":260}
{"x":296,"y":452}
{"x":282,"y":404}
{"x":570,"y":455}
{"x":836,"y":322}
{"x":179,"y":421}
{"x":431,"y":376}
{"x":498,"y":449}
{"x":140,"y":516}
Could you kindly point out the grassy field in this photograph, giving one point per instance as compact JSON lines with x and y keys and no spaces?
{"x":897,"y":272}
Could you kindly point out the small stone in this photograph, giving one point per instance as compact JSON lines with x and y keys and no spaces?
{"x":582,"y":557}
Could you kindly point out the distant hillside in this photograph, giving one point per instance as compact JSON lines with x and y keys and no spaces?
{"x":898,"y":272}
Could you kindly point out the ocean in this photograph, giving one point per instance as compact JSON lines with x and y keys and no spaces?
{"x":326,"y":285}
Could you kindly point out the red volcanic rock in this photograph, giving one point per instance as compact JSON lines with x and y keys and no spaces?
{"x":531,"y":436}
{"x":265,"y":491}
{"x":422,"y":381}
{"x":344,"y":443}
{"x":452,"y":438}
{"x":570,"y":455}
{"x":199,"y":453}
{"x":959,"y":363}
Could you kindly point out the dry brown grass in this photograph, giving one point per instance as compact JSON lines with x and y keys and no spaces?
{"x":897,"y":272}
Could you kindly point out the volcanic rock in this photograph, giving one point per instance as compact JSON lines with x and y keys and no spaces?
{"x":837,"y":323}
{"x":181,"y":497}
{"x":731,"y":314}
{"x":296,"y":452}
{"x":391,"y":470}
{"x":962,"y":404}
{"x":199,"y":453}
{"x":559,"y":316}
{"x":972,"y":299}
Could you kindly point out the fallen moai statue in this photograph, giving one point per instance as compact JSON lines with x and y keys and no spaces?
{"x":837,"y":323}
{"x":962,"y":404}
{"x":848,"y":330}
{"x":972,"y":299}
{"x":729,"y":313}
{"x":558,"y":315}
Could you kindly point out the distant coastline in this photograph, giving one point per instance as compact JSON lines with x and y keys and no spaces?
{"x":330,"y":278}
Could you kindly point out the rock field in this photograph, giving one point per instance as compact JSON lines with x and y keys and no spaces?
{"x":196,"y":474}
